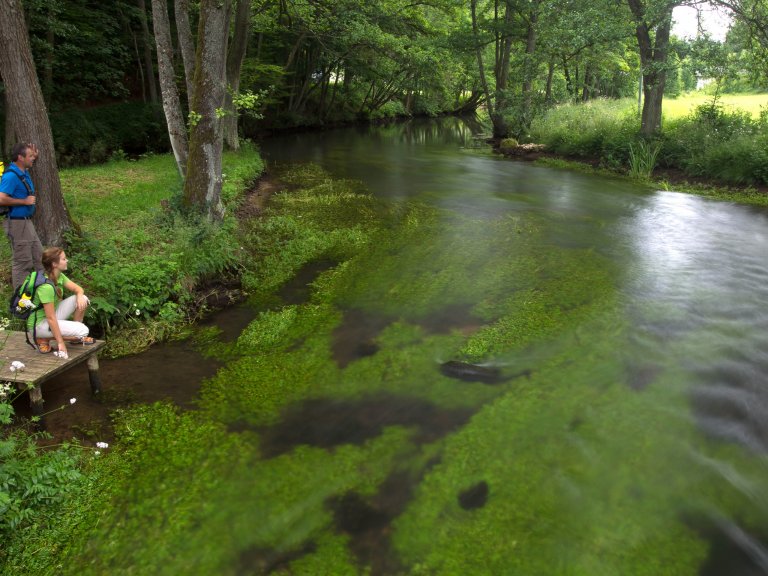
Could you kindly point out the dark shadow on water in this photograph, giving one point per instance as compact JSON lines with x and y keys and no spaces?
{"x":368,"y":520}
{"x":474,"y":497}
{"x":355,"y":336}
{"x":298,"y":289}
{"x":327,"y":423}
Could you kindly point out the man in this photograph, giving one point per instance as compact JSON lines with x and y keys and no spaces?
{"x":18,"y":192}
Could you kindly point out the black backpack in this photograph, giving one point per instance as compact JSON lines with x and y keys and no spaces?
{"x":20,"y":305}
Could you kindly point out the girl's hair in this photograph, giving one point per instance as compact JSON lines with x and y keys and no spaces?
{"x":50,"y":257}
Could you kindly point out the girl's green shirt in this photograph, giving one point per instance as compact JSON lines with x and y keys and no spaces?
{"x":45,"y":294}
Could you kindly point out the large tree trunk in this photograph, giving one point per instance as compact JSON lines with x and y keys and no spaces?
{"x":177,"y":130}
{"x":235,"y":57}
{"x":29,"y":121}
{"x":202,"y":188}
{"x":186,"y":43}
{"x":653,"y":58}
{"x":148,"y":62}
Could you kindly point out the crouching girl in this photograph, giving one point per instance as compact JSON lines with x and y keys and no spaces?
{"x":52,"y":320}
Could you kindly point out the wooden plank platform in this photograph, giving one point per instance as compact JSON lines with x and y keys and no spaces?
{"x":41,"y":367}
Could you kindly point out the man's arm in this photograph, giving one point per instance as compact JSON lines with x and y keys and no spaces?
{"x":6,"y":200}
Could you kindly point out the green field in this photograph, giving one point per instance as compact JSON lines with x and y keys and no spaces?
{"x":751,"y":103}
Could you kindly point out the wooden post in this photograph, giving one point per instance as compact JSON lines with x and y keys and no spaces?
{"x":36,"y":402}
{"x":93,"y":373}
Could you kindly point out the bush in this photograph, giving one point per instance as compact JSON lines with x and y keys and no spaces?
{"x":714,"y":143}
{"x":600,"y":128}
{"x":711,"y":142}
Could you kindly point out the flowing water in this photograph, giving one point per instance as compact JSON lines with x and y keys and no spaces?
{"x":629,"y":435}
{"x":691,"y":282}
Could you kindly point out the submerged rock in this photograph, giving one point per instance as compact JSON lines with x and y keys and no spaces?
{"x":471,"y":372}
{"x":474,"y":497}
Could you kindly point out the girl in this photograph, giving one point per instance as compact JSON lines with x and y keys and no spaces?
{"x":50,"y":321}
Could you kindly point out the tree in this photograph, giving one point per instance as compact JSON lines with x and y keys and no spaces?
{"x":653,"y":22}
{"x":147,"y":43}
{"x":495,"y":96}
{"x":186,"y":44}
{"x":202,"y":187}
{"x":27,"y":120}
{"x":235,"y":56}
{"x":177,"y":131}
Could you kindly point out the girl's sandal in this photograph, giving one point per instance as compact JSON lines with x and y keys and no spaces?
{"x":85,"y":341}
{"x":43,"y":345}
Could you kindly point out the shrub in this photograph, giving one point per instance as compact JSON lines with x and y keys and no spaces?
{"x":508,"y":144}
{"x":601,"y":128}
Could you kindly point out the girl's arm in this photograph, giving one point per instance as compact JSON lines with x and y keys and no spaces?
{"x":53,"y":324}
{"x":82,"y":300}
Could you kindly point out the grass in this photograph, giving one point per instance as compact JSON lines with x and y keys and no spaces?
{"x":138,"y":259}
{"x":686,"y":104}
{"x":712,"y":150}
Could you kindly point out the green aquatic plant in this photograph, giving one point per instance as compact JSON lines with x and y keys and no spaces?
{"x":642,"y":158}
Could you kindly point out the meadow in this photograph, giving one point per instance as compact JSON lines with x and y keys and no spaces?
{"x":706,"y":145}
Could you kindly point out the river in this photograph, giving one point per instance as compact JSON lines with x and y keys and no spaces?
{"x":691,"y":275}
{"x":627,"y":433}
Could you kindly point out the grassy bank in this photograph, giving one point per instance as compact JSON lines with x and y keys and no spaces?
{"x":710,"y":148}
{"x":140,"y":261}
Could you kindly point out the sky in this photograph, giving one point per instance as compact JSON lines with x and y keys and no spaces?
{"x":685,"y":22}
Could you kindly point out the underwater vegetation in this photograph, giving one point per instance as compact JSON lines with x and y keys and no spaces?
{"x":452,"y":398}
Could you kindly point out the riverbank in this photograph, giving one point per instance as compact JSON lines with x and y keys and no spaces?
{"x":661,"y":178}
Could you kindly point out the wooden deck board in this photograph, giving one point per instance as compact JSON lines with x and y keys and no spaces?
{"x":39,"y":367}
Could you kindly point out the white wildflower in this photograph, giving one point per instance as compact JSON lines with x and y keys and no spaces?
{"x":102,"y":445}
{"x":138,"y":311}
{"x":96,"y":452}
{"x":18,"y":365}
{"x":12,"y":368}
{"x":72,"y":400}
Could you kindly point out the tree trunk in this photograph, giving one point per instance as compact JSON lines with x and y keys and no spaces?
{"x":585,"y":88}
{"x":50,"y":38}
{"x":186,"y":43}
{"x":177,"y":131}
{"x":28,"y":117}
{"x":550,"y":76}
{"x":235,"y":57}
{"x":529,"y":68}
{"x":202,"y":188}
{"x":148,"y":63}
{"x":653,"y":58}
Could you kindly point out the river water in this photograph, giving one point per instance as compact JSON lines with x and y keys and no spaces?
{"x":633,"y":441}
{"x":691,"y":277}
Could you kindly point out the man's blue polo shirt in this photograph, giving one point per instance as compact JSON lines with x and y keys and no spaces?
{"x":12,"y":185}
